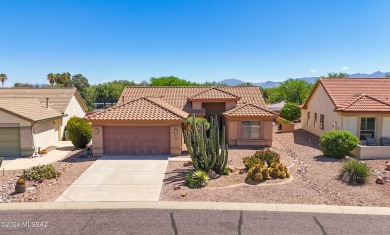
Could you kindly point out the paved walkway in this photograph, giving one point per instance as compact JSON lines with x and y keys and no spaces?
{"x":120,"y":178}
{"x":19,"y":163}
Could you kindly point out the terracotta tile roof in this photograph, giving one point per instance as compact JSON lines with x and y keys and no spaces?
{"x":34,"y":111}
{"x":249,"y":110}
{"x":59,"y":98}
{"x":178,"y":96}
{"x":141,"y":109}
{"x":365,"y":103}
{"x":359,"y":94}
{"x":214,"y":94}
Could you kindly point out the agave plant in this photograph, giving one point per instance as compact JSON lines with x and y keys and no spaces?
{"x":197,"y":179}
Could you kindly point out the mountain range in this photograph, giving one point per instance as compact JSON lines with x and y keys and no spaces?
{"x":268,"y":84}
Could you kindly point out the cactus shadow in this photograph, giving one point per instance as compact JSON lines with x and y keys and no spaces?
{"x":323,"y":158}
{"x":176,"y":176}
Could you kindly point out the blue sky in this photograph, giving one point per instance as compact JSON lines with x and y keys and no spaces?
{"x":195,"y":40}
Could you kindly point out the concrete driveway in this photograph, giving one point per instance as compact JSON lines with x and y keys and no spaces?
{"x":120,"y":178}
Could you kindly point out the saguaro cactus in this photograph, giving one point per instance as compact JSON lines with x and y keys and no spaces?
{"x":207,"y":152}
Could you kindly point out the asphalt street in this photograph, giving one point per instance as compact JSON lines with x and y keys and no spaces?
{"x":158,"y":221}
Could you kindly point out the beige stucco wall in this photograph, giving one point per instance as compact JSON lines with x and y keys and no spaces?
{"x":371,"y":152}
{"x":230,"y":105}
{"x":45,"y":133}
{"x":176,"y":136}
{"x":97,"y":140}
{"x":234,"y":132}
{"x":6,"y":118}
{"x":74,"y":109}
{"x":380,"y":118}
{"x":320,"y":103}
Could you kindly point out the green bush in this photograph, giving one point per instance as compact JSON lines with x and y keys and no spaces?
{"x":290,"y":111}
{"x":80,"y":131}
{"x":198,"y":122}
{"x":337,"y":143}
{"x":197,"y":179}
{"x":268,"y":156}
{"x":40,"y":172}
{"x":355,"y":172}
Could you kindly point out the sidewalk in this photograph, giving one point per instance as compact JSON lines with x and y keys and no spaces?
{"x":63,"y":148}
{"x":199,"y":206}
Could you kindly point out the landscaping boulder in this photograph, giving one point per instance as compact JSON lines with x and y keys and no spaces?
{"x":380,"y":180}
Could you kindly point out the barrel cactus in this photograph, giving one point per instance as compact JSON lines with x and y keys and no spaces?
{"x":258,"y":177}
{"x":207,"y":152}
{"x":282,"y":175}
{"x":275,"y":173}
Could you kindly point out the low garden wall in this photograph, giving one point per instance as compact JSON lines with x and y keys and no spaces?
{"x":371,"y":152}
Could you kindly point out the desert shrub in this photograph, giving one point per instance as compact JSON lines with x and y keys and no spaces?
{"x":80,"y":131}
{"x":251,"y":161}
{"x":280,"y":123}
{"x":290,"y":111}
{"x":355,"y":172}
{"x":337,"y":143}
{"x":267,"y":155}
{"x":197,"y":179}
{"x":40,"y":172}
{"x":198,"y":122}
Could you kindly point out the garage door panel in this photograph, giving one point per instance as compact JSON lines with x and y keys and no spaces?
{"x":136,"y":140}
{"x":9,"y":141}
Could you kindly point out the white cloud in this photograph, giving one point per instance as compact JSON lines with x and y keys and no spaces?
{"x":313,"y":71}
{"x":345,"y":68}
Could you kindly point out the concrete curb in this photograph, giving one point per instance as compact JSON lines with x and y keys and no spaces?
{"x":199,"y":206}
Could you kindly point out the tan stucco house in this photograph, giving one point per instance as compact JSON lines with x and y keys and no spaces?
{"x":35,"y":118}
{"x":359,"y":105}
{"x":149,"y":120}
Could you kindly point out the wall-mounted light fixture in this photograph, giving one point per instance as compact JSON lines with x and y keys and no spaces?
{"x":96,"y":130}
{"x":175,"y":131}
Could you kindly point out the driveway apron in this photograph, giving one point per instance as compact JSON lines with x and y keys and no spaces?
{"x":120,"y":178}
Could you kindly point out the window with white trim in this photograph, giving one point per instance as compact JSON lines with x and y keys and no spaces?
{"x":322,"y":121}
{"x":367,"y":128}
{"x":308,"y":118}
{"x":315,"y":119}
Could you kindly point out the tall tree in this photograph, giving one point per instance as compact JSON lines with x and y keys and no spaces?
{"x":51,"y":77}
{"x":336,"y":75}
{"x":63,"y":79}
{"x":292,"y":90}
{"x":170,"y":81}
{"x":81,"y":83}
{"x":3,"y":78}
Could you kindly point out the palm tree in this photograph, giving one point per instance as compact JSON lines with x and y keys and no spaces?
{"x":52,"y":78}
{"x":3,"y":78}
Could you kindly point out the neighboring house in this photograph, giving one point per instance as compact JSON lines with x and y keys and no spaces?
{"x":359,"y":105}
{"x":276,"y":107}
{"x":32,"y":118}
{"x":148,"y":120}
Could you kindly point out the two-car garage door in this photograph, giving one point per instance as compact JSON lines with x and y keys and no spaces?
{"x":9,"y":141}
{"x":136,"y":139}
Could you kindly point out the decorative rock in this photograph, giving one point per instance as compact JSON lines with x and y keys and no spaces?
{"x":30,"y":189}
{"x":176,"y":187}
{"x":233,"y":168}
{"x":187,"y":163}
{"x":379,"y":180}
{"x":388,"y":165}
{"x":345,"y":178}
{"x":212,"y":174}
{"x":184,"y":194}
{"x":242,"y":171}
{"x":40,"y":180}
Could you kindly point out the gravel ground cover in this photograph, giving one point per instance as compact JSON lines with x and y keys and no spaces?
{"x":315,"y":180}
{"x":71,"y":167}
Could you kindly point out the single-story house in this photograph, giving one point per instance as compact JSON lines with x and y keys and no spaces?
{"x":359,"y":105}
{"x":149,"y":120}
{"x":33,"y":118}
